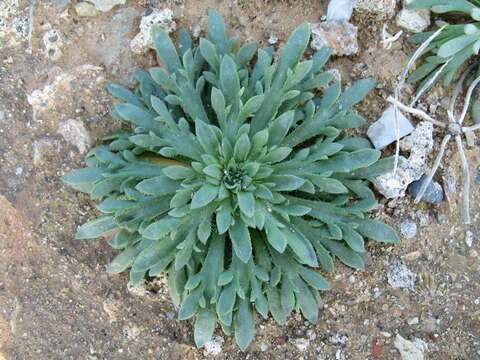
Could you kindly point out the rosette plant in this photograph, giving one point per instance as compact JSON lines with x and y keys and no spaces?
{"x":455,"y":44}
{"x":235,"y":179}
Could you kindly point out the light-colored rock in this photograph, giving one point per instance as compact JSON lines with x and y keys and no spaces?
{"x":75,"y":133}
{"x":302,"y":344}
{"x":413,"y":20}
{"x":53,"y":42}
{"x":469,"y":238}
{"x":114,"y":48}
{"x":214,"y":346}
{"x":85,"y":9}
{"x":410,"y":350}
{"x":408,"y":229}
{"x":339,"y":10}
{"x":381,"y":9}
{"x":13,"y":23}
{"x":340,"y":36}
{"x":45,"y":98}
{"x":401,"y":277}
{"x":420,"y":145}
{"x":106,"y":5}
{"x":273,"y":39}
{"x":40,"y":148}
{"x":383,"y":132}
{"x":143,"y":40}
{"x":413,"y":321}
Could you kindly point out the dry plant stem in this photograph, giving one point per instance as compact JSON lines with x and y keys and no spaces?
{"x":432,"y":172}
{"x":466,"y":180}
{"x":401,"y":83}
{"x":471,"y":128}
{"x":456,"y":92}
{"x":418,"y":113}
{"x":429,"y":83}
{"x":468,"y":97}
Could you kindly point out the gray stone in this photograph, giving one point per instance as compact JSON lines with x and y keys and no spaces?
{"x":75,"y":133}
{"x":85,"y":9}
{"x":401,"y":277}
{"x":408,"y":229}
{"x":413,"y":20}
{"x":380,"y":9}
{"x":114,"y":50}
{"x":410,"y":350}
{"x":434,"y":193}
{"x":53,"y":41}
{"x":339,"y":10}
{"x":383,"y":132}
{"x":469,"y":238}
{"x":273,"y":39}
{"x":478,"y":178}
{"x":106,"y":5}
{"x":143,"y":41}
{"x":2,"y":115}
{"x":420,"y":145}
{"x":340,"y":36}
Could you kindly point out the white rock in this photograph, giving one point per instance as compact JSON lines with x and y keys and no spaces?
{"x":340,"y":36}
{"x":214,"y":346}
{"x":40,"y":147}
{"x":420,"y":145}
{"x":263,"y":347}
{"x":339,"y":10}
{"x":410,"y":350}
{"x":302,"y":344}
{"x":408,"y":229}
{"x":273,"y":39}
{"x":53,"y":42}
{"x":413,"y":20}
{"x":392,"y":185}
{"x":383,"y":132}
{"x":75,"y":133}
{"x":381,"y":9}
{"x":413,"y":321}
{"x":143,"y":40}
{"x":401,"y":277}
{"x":106,"y":5}
{"x":85,"y":9}
{"x":469,"y":238}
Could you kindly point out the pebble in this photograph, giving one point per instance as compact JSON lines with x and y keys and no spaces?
{"x":106,"y":5}
{"x":381,"y":9}
{"x":413,"y":321}
{"x":53,"y":44}
{"x":214,"y":346}
{"x":441,"y":218}
{"x":340,"y":36}
{"x":401,"y":277}
{"x":410,"y":350}
{"x":478,"y":178}
{"x":339,"y":10}
{"x":143,"y":41}
{"x":170,"y":315}
{"x":413,"y":20}
{"x":469,"y":238}
{"x":263,"y":347}
{"x":75,"y":133}
{"x":434,"y":193}
{"x":18,"y":171}
{"x":85,"y":9}
{"x":302,"y":344}
{"x":2,"y":115}
{"x":383,"y":131}
{"x":408,"y":229}
{"x":273,"y":39}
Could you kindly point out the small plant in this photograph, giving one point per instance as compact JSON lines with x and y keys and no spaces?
{"x":453,"y":46}
{"x":236,"y":180}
